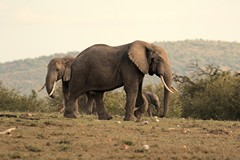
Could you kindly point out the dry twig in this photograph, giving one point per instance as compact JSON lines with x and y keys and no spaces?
{"x":8,"y":131}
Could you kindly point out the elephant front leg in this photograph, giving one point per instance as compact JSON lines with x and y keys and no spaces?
{"x":130,"y":104}
{"x":102,"y":114}
{"x":70,"y":109}
{"x":142,"y":105}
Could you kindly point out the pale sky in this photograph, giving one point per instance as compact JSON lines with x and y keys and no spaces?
{"x":33,"y":28}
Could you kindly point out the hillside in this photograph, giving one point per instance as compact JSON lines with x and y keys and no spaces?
{"x":25,"y":75}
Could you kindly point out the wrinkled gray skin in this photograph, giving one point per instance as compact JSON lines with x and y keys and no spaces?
{"x":102,"y":68}
{"x":153,"y":104}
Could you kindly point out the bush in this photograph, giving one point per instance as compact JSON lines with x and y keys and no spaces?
{"x":210,"y":93}
{"x":115,"y":102}
{"x":12,"y":100}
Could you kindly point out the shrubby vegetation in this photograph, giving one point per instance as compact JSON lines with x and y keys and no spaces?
{"x":210,"y":93}
{"x":207,"y":93}
{"x":12,"y":100}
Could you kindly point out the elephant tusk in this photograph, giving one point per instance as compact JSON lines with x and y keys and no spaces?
{"x":174,"y":89}
{"x":165,"y":85}
{"x":42,"y":88}
{"x":54,"y":85}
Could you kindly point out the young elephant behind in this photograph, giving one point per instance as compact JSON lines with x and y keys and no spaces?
{"x":153,"y":104}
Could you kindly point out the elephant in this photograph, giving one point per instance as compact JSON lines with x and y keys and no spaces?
{"x":153,"y":103}
{"x":102,"y":68}
{"x":60,"y":68}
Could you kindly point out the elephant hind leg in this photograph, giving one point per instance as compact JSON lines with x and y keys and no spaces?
{"x":102,"y":114}
{"x":141,"y":104}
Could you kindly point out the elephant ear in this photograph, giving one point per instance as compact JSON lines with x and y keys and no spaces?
{"x":139,"y":54}
{"x":67,"y":72}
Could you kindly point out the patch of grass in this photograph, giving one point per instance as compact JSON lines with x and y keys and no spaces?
{"x":33,"y":148}
{"x":128,"y":142}
{"x":40,"y":136}
{"x":14,"y":155}
{"x":64,"y":141}
{"x":63,"y":148}
{"x":139,"y":150}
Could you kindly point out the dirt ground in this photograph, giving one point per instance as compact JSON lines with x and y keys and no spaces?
{"x":51,"y":136}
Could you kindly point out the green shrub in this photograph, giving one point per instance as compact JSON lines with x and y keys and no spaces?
{"x":12,"y":100}
{"x":210,"y":93}
{"x":115,"y":102}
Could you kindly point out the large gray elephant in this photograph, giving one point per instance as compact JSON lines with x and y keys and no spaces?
{"x":102,"y":68}
{"x":154,"y":104}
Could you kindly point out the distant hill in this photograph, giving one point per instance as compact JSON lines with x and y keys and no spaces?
{"x":25,"y":75}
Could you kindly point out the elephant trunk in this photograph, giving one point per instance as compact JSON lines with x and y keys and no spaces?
{"x":166,"y":80}
{"x":51,"y":84}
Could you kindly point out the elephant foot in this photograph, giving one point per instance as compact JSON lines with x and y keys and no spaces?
{"x":104,"y":116}
{"x":88,"y":113}
{"x":162,"y":116}
{"x":129,"y":118}
{"x":69,"y":115}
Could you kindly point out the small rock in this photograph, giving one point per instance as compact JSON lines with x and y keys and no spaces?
{"x":145,"y":122}
{"x":126,"y":147}
{"x":118,"y":122}
{"x":170,"y":129}
{"x":185,"y":131}
{"x":146,"y":147}
{"x":29,"y":114}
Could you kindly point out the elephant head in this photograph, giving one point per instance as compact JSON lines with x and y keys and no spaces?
{"x":58,"y":68}
{"x":152,"y":59}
